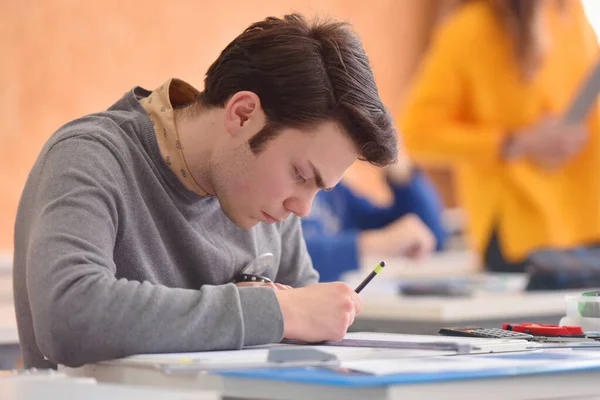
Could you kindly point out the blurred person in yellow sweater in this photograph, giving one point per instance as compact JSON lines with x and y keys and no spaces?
{"x":488,"y":99}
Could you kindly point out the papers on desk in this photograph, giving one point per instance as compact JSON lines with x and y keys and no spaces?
{"x":478,"y":345}
{"x":524,"y":375}
{"x":432,"y":365}
{"x":201,"y":361}
{"x":496,"y":362}
{"x":258,"y":357}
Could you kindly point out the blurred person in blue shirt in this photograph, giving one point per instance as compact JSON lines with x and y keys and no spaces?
{"x":342,"y":226}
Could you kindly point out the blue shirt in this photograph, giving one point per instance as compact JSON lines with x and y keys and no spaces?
{"x":338,"y":216}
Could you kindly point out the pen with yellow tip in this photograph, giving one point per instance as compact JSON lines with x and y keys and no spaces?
{"x":375,"y":271}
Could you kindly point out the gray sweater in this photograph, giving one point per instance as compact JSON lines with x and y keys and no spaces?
{"x":114,"y":256}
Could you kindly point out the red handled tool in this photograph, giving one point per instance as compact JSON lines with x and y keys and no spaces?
{"x":545,"y":329}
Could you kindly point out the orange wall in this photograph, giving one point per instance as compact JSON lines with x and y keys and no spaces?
{"x":65,"y":58}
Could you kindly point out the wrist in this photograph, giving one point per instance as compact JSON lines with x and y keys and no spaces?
{"x":512,"y":147}
{"x":289,"y":319}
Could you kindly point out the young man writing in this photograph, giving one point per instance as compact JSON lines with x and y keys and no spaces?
{"x":135,"y":221}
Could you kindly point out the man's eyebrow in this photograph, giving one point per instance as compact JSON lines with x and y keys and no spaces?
{"x":319,"y":178}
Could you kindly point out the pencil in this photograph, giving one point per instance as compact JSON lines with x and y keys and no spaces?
{"x":366,"y":281}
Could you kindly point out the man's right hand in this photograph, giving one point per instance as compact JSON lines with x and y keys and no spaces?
{"x":323,"y":311}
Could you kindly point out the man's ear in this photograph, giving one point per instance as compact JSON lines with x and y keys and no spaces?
{"x":244,"y":114}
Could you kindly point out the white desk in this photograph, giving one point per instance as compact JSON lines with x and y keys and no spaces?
{"x":529,"y":384}
{"x":426,"y":315}
{"x":8,"y":324}
{"x":6,"y":285}
{"x":447,"y":263}
{"x":74,"y":389}
{"x":6,"y":259}
{"x":10,"y":351}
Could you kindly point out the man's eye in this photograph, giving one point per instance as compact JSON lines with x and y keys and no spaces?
{"x":298,"y":175}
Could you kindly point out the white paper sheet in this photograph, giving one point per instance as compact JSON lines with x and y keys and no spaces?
{"x":435,"y":364}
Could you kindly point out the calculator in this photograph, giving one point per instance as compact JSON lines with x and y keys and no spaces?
{"x":477,"y":331}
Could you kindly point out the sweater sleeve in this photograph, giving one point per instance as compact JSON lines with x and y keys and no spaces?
{"x":81,"y":312}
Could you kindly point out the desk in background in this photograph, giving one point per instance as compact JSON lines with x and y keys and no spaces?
{"x":55,"y":387}
{"x":454,"y":263}
{"x":426,"y":315}
{"x":10,"y":351}
{"x":6,"y":288}
{"x":502,"y":299}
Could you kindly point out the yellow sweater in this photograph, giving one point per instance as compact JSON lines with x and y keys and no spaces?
{"x":468,"y":95}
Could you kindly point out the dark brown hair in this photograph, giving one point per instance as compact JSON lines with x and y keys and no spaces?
{"x":305,"y":74}
{"x":522,"y":19}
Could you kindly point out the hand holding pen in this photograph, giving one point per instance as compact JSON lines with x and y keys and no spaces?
{"x":322,"y":311}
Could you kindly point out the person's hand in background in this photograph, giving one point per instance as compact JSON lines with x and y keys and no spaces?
{"x":549,"y":143}
{"x":408,"y":236}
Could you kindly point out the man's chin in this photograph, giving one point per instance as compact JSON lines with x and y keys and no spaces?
{"x":244,"y":223}
{"x":248,"y":223}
